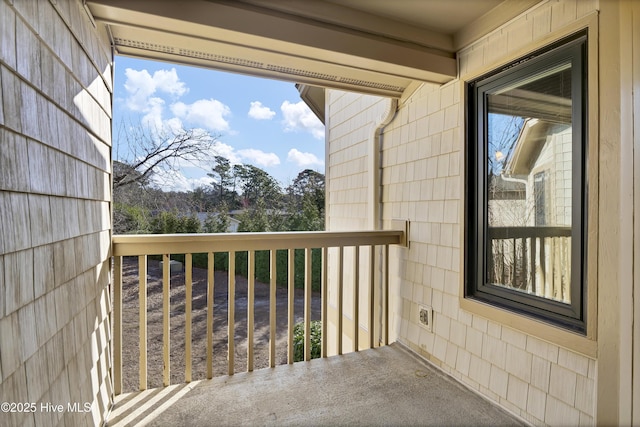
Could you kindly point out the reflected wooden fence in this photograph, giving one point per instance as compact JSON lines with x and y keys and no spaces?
{"x":535,"y":260}
{"x":142,"y":246}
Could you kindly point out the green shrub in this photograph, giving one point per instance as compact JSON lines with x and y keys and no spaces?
{"x":298,"y":340}
{"x":129,"y":219}
{"x":262,"y":265}
{"x":174,"y":222}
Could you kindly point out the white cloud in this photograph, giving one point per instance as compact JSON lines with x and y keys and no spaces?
{"x":141,"y":86}
{"x":226,"y":151}
{"x":167,"y":81}
{"x":153,"y":117}
{"x":143,"y":96}
{"x":174,"y":125}
{"x":143,"y":90}
{"x":210,"y":114}
{"x":299,"y":117}
{"x":204,"y":160}
{"x":259,"y":157}
{"x":303,"y":159}
{"x":173,"y":180}
{"x":260,"y":112}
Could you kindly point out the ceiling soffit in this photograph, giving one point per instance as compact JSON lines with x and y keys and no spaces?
{"x":322,"y":44}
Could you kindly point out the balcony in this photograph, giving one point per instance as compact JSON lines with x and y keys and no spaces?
{"x":365,"y":381}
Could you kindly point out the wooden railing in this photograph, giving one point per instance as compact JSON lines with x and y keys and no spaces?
{"x":535,"y":260}
{"x":142,"y":246}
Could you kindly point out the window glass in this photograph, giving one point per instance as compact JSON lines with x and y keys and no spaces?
{"x":526,"y":192}
{"x":529,"y":184}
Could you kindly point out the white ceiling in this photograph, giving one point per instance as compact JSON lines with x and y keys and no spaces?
{"x":445,"y":16}
{"x":372,"y":46}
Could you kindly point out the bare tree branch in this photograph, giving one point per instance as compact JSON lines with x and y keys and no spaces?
{"x":141,"y":152}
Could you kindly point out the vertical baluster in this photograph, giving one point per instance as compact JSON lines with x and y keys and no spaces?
{"x":188,"y":292}
{"x":566,"y":265}
{"x":291,"y":305}
{"x":523,"y":272}
{"x":567,"y":268}
{"x":117,"y":324}
{"x":356,"y":298}
{"x":503,"y":275}
{"x":231,"y":311}
{"x":166,"y":318}
{"x":555,"y":267}
{"x":307,"y":304}
{"x":142,"y":320}
{"x":324,"y":297}
{"x":525,"y":264}
{"x":371,"y":299}
{"x":340,"y":296}
{"x":543,"y":267}
{"x":272,"y":309}
{"x":210,"y":278}
{"x":386,"y":295}
{"x":493,"y":261}
{"x":514,"y":282}
{"x":251,"y":262}
{"x":533,"y":251}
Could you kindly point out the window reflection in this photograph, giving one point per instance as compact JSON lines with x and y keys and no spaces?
{"x":529,"y":145}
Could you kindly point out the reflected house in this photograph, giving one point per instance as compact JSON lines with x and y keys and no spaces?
{"x":513,"y":274}
{"x":538,"y":166}
{"x":533,"y":192}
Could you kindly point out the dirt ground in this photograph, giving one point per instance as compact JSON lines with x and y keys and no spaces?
{"x":130,"y":328}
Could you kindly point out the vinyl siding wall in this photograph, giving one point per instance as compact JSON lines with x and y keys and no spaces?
{"x":422,"y":161}
{"x":55,"y":164}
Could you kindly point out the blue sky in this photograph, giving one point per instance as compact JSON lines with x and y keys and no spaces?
{"x":259,"y":121}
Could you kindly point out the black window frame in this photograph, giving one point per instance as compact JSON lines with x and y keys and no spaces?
{"x":570,"y":316}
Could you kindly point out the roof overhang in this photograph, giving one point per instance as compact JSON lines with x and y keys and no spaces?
{"x":316,"y":42}
{"x":314,"y":97}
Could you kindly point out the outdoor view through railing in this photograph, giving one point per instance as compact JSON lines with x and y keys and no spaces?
{"x":189,"y":307}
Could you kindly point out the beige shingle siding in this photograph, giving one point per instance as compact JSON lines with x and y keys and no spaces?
{"x":352,"y":120}
{"x":55,"y":138}
{"x":421,"y":177}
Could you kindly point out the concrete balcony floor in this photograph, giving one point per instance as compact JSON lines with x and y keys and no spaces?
{"x":383,"y":386}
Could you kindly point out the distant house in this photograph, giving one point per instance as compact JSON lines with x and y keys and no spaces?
{"x":233,"y":223}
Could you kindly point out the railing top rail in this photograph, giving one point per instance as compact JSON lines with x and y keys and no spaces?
{"x":153,"y":244}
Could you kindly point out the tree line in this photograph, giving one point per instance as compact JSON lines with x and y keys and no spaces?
{"x":141,"y":207}
{"x":243,"y":192}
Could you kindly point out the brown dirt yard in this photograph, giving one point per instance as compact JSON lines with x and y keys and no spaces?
{"x":130,"y":320}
